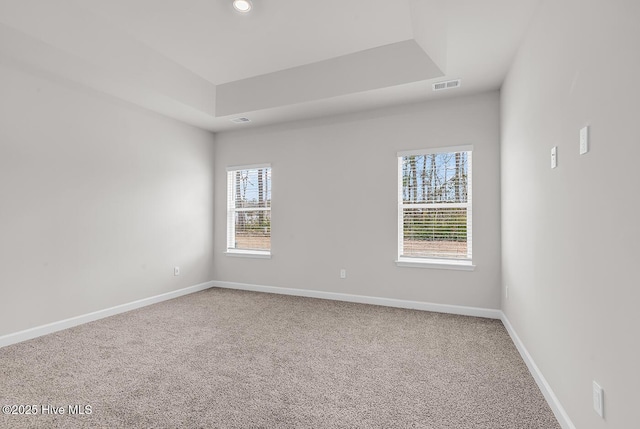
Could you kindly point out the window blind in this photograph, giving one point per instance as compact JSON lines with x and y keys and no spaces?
{"x":434,"y":205}
{"x":249,"y":208}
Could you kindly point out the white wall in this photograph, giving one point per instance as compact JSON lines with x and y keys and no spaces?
{"x":570,"y":235}
{"x":98,"y":201}
{"x":335,"y":201}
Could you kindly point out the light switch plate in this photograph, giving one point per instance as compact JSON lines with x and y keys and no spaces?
{"x":584,"y":140}
{"x":598,"y":399}
{"x":554,"y":157}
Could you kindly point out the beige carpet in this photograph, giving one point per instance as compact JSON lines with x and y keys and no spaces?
{"x":232,"y":359}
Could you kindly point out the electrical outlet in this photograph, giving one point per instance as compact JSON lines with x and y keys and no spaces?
{"x":598,"y":399}
{"x":343,"y":273}
{"x":176,"y":271}
{"x":554,"y":157}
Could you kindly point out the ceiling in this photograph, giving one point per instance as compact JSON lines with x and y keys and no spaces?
{"x":201,"y":62}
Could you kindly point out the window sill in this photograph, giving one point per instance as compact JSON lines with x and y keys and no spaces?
{"x":257,"y":254}
{"x":436,"y":264}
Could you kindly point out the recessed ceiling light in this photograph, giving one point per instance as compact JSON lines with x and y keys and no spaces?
{"x":243,"y":6}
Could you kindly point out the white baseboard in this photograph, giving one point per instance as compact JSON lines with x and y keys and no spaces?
{"x":363,"y":299}
{"x":545,"y":388}
{"x":49,"y":328}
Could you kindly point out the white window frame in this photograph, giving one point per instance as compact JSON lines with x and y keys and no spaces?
{"x":435,"y":262}
{"x":231,"y":213}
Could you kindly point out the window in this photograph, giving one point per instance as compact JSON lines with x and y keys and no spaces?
{"x":249,"y":211}
{"x":434,"y":208}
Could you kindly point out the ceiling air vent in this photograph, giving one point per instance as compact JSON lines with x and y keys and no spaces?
{"x":240,"y":120}
{"x":449,"y":84}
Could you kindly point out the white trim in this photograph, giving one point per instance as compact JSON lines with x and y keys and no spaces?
{"x":50,"y":328}
{"x":433,"y":263}
{"x":555,"y":405}
{"x":362,"y":299}
{"x":545,"y":388}
{"x":248,"y":254}
{"x":231,"y":211}
{"x":470,"y":208}
{"x":400,"y":230}
{"x":252,"y":209}
{"x":247,"y":167}
{"x":467,"y":148}
{"x":436,"y":205}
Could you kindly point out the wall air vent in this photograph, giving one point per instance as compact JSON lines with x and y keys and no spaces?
{"x":449,"y":84}
{"x":240,"y":120}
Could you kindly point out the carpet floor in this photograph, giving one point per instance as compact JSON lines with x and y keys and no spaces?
{"x":235,"y":359}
